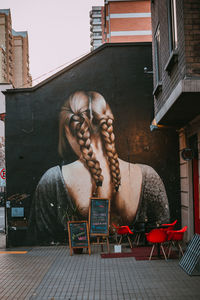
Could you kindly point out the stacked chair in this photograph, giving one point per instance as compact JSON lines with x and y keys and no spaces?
{"x":166,"y":235}
{"x":170,"y":226}
{"x":123,"y":231}
{"x":157,"y":236}
{"x":175,"y":237}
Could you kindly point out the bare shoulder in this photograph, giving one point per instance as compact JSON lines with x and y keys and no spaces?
{"x":131,"y":175}
{"x":129,"y":168}
{"x":146,"y":169}
{"x":74,"y":172}
{"x":72,"y":166}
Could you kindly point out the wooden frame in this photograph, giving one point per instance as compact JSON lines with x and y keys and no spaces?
{"x":86,"y":234}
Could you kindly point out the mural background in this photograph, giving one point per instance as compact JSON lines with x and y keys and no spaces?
{"x":117,"y":72}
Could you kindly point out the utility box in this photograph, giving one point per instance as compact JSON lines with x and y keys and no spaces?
{"x":117,"y":248}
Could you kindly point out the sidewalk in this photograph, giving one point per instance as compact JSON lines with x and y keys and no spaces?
{"x":51,"y":273}
{"x":2,"y":239}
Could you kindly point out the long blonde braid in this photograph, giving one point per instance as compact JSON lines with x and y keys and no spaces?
{"x":104,"y":117}
{"x":81,"y":126}
{"x":106,"y":125}
{"x":76,"y":115}
{"x":85,"y":114}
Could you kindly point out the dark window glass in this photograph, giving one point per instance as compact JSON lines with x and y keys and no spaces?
{"x":157,"y":55}
{"x":172,"y":25}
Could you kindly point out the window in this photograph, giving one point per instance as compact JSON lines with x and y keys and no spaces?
{"x":172,"y":25}
{"x":172,"y":30}
{"x":97,"y":33}
{"x":95,"y":12}
{"x":157,"y":55}
{"x":96,"y":20}
{"x":96,"y":28}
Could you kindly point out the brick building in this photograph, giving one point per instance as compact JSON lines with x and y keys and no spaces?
{"x":128,"y":21}
{"x":176,"y":65}
{"x":14,"y":53}
{"x":6,"y":49}
{"x":3,"y":87}
{"x":14,"y":69}
{"x":120,"y":21}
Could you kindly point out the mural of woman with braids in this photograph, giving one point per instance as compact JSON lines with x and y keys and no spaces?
{"x":136,"y":191}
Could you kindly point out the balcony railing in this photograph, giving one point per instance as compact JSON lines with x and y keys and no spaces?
{"x":95,"y":22}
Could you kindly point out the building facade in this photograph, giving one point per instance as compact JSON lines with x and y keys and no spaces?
{"x":127,"y":21}
{"x":32,"y":117}
{"x":96,"y":26}
{"x":14,"y":53}
{"x":176,"y":65}
{"x":6,"y":48}
{"x":3,"y":87}
{"x":120,"y":21}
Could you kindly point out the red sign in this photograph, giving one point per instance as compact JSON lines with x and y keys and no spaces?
{"x":3,"y":173}
{"x":2,"y":116}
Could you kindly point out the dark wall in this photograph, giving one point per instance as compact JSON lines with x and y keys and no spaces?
{"x":159,"y":10}
{"x":115,"y":71}
{"x":188,"y":48}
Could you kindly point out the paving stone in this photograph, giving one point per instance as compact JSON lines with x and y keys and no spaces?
{"x":51,"y":273}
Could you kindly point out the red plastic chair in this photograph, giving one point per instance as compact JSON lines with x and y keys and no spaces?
{"x":157,"y":236}
{"x":175,"y":237}
{"x":169,"y":226}
{"x":123,"y":231}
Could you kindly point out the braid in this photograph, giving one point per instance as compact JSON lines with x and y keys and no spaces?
{"x":109,"y":139}
{"x":85,"y":114}
{"x":81,"y":127}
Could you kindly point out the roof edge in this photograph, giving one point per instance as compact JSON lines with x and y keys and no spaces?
{"x":5,"y":11}
{"x":19,"y":33}
{"x":90,"y":54}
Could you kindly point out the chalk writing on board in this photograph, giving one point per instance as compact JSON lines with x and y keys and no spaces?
{"x":78,"y":233}
{"x":99,"y":212}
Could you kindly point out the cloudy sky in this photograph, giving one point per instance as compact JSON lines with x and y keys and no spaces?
{"x":58,"y":31}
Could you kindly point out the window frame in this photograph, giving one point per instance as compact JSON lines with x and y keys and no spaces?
{"x":172,"y":25}
{"x":157,"y":62}
{"x":157,"y":54}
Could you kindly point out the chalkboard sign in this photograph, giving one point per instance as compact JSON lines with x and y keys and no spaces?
{"x":78,"y":235}
{"x":99,"y":217}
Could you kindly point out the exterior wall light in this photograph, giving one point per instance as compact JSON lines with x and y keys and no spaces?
{"x":187,"y":154}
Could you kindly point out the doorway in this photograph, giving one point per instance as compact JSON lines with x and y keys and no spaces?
{"x":195,"y":179}
{"x":2,"y":219}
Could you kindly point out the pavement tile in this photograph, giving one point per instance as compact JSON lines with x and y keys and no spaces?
{"x":51,"y":273}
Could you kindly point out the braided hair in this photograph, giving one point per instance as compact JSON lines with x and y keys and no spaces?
{"x":85,"y":113}
{"x":104,"y":117}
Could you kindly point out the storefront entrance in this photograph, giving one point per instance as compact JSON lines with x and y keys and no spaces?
{"x":195,"y":173}
{"x":2,"y":222}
